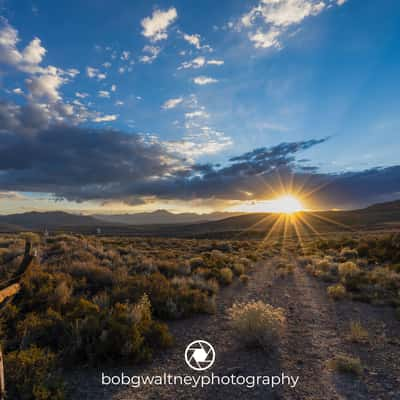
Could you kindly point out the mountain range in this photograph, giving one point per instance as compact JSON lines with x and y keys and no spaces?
{"x":162,"y":223}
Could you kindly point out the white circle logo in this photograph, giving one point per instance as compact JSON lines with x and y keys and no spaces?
{"x":199,"y":355}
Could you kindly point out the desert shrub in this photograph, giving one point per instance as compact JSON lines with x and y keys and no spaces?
{"x":244,"y":279}
{"x":386,"y":278}
{"x":348,"y":253}
{"x":256,"y":323}
{"x":225,"y":276}
{"x":346,"y":364}
{"x":62,"y":294}
{"x":196,"y":262}
{"x":94,"y":274}
{"x":238,"y":269}
{"x":348,"y":270}
{"x":122,"y":332}
{"x":336,"y":292}
{"x":31,"y":375}
{"x":358,"y":334}
{"x":44,"y":330}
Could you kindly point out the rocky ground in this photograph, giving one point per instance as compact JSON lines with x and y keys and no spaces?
{"x":317,"y":330}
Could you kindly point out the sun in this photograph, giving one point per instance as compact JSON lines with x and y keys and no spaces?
{"x":287,"y":204}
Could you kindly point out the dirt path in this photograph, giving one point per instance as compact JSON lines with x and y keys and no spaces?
{"x":311,"y":337}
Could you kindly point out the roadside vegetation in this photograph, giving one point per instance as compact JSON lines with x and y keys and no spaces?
{"x":365,"y":269}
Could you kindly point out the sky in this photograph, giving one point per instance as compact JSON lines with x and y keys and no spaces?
{"x":129,"y":106}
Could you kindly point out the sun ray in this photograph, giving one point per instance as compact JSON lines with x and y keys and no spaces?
{"x":326,"y":219}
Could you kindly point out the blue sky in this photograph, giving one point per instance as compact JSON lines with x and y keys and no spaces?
{"x":205,"y":81}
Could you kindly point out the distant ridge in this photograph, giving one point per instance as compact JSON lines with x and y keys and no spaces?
{"x":388,"y":206}
{"x":164,"y":223}
{"x":51,"y":219}
{"x":164,"y":217}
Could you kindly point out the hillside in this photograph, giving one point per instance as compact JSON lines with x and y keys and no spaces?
{"x":50,"y":220}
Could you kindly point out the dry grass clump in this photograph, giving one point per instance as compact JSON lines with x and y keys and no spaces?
{"x":358,"y":334}
{"x":257,"y":323}
{"x":346,"y":364}
{"x":336,"y":292}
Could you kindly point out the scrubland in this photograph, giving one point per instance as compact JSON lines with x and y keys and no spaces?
{"x":91,"y":300}
{"x":317,"y":308}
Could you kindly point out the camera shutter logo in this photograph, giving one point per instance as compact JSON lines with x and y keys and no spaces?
{"x":200,"y":355}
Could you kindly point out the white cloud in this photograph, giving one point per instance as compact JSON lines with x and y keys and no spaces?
{"x":197,"y":114}
{"x":113,"y":88}
{"x":103,"y":93}
{"x":81,"y":95}
{"x":34,"y":52}
{"x":72,"y":72}
{"x":265,"y":39}
{"x":26,"y":61}
{"x":193,"y":40}
{"x":272,"y":18}
{"x":172,"y":103}
{"x":125,"y":55}
{"x":119,"y":103}
{"x":107,"y":64}
{"x":18,"y":91}
{"x":155,"y":27}
{"x":197,"y":62}
{"x":47,"y":84}
{"x":153,"y":53}
{"x":95,"y":73}
{"x":204,"y":80}
{"x":105,"y":118}
{"x":283,"y":12}
{"x":215,"y":62}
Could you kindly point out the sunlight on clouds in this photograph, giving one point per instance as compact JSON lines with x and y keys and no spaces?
{"x":286,"y":204}
{"x":272,"y":18}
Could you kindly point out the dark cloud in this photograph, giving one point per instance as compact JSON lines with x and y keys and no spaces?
{"x":80,"y":164}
